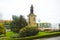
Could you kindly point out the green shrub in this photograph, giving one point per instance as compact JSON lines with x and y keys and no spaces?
{"x":28,"y":31}
{"x":2,"y":29}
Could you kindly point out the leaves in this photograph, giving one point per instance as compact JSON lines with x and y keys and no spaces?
{"x":18,"y":23}
{"x":2,"y":29}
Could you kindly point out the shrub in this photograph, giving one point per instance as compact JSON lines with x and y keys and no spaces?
{"x":2,"y":29}
{"x":28,"y":31}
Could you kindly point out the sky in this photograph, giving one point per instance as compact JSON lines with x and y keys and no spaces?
{"x":45,"y":10}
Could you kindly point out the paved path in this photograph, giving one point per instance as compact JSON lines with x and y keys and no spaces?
{"x":53,"y":38}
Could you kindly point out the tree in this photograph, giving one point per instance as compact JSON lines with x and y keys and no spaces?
{"x":18,"y":23}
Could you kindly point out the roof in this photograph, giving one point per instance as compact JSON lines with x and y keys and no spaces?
{"x":1,"y":21}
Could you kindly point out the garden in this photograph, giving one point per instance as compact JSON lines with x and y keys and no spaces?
{"x":38,"y":35}
{"x":19,"y":30}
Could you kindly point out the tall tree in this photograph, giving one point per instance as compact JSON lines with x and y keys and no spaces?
{"x":18,"y":23}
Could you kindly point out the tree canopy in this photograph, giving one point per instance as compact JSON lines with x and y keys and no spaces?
{"x":18,"y":23}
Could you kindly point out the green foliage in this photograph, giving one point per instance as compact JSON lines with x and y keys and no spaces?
{"x":11,"y":34}
{"x":28,"y":31}
{"x":38,"y":36}
{"x":7,"y":24}
{"x":2,"y":29}
{"x":18,"y":23}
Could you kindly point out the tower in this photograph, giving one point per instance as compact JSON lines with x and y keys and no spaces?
{"x":32,"y":17}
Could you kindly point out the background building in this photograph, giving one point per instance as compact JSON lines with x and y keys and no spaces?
{"x":45,"y":25}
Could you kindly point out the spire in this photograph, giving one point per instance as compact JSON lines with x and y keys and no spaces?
{"x":31,"y":9}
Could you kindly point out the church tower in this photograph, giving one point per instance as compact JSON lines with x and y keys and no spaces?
{"x":32,"y":17}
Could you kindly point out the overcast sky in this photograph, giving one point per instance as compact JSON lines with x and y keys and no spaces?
{"x":46,"y":10}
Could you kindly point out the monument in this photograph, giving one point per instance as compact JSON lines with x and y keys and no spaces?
{"x":32,"y":17}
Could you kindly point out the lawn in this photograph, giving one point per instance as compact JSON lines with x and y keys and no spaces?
{"x":8,"y":34}
{"x":46,"y":33}
{"x":39,"y":35}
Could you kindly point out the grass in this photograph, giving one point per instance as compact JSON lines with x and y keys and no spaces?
{"x":9,"y":34}
{"x":47,"y":33}
{"x":39,"y":35}
{"x":2,"y":35}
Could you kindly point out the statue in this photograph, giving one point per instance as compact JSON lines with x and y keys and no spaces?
{"x":31,"y":9}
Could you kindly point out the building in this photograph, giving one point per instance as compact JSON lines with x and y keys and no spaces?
{"x":32,"y":17}
{"x":3,"y":21}
{"x":45,"y":25}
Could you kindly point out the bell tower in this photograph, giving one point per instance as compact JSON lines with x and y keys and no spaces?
{"x":32,"y":17}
